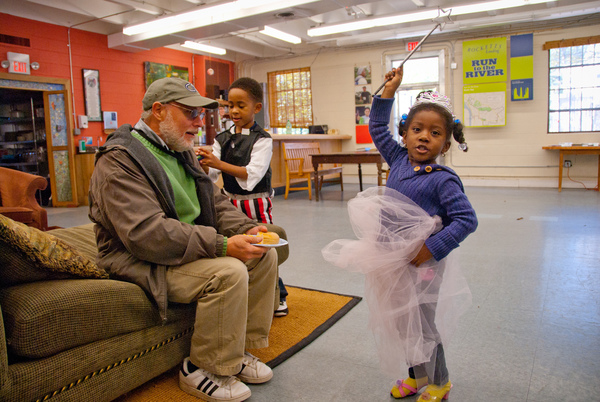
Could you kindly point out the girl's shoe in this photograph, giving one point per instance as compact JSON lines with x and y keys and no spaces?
{"x":435,"y":393}
{"x":404,"y":388}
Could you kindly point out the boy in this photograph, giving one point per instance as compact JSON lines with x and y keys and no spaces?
{"x":242,"y":155}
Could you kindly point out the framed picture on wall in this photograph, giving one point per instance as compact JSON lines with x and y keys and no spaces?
{"x":155,"y":71}
{"x":91,"y":93}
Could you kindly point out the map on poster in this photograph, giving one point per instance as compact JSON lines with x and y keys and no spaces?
{"x":484,"y":105}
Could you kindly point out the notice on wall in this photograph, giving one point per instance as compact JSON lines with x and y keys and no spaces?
{"x":484,"y":60}
{"x":484,"y":105}
{"x":362,"y":100}
{"x":521,"y":67}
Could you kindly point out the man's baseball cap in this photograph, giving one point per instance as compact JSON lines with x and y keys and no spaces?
{"x":173,"y":89}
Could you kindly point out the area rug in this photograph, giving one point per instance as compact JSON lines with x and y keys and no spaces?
{"x":312,"y":312}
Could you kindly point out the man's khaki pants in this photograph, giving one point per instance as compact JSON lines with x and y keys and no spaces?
{"x":234,"y":310}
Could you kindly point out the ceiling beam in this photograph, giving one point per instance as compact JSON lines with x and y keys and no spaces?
{"x":143,"y":7}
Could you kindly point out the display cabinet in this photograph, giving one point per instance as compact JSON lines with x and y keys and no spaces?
{"x":23,"y":137}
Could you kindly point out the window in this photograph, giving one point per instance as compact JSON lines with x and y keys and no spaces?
{"x":574,"y":87}
{"x":290,"y":98}
{"x":421,"y":73}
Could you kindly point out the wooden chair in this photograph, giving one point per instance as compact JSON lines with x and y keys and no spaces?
{"x":385,"y":171}
{"x":298,"y":165}
{"x":17,"y":197}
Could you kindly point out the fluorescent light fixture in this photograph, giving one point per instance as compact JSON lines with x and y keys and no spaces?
{"x":421,"y":16}
{"x":276,"y":33}
{"x":211,"y":15}
{"x":204,"y":48}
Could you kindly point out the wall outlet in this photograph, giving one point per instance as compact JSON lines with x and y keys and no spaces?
{"x":567,"y":164}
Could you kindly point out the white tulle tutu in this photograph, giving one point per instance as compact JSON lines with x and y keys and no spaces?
{"x":391,"y":229}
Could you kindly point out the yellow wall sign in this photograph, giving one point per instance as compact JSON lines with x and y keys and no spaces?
{"x":484,"y":60}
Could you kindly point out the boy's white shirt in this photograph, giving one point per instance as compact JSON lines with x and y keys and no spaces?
{"x":260,"y":160}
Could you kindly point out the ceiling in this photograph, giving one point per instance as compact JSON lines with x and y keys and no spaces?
{"x":241,"y":38}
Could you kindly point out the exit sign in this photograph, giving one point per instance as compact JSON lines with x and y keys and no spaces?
{"x":19,"y":63}
{"x":410,"y":46}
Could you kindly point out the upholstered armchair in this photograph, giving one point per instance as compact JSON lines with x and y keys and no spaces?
{"x":17,"y":197}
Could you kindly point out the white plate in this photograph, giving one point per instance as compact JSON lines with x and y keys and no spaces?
{"x":282,"y":242}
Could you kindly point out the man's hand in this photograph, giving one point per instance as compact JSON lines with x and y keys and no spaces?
{"x":242,"y":248}
{"x":424,"y":255}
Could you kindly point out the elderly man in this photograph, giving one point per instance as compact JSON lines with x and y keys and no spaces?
{"x":162,"y":224}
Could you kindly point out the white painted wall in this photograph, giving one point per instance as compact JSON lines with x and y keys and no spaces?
{"x":498,"y":156}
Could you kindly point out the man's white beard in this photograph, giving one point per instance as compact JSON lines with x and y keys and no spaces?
{"x":170,"y":135}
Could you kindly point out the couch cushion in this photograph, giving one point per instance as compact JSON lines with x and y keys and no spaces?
{"x":81,"y":237}
{"x":28,"y":254}
{"x":44,"y":318}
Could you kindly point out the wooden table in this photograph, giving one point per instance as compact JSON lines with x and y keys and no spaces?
{"x":573,"y":150}
{"x":358,"y":157}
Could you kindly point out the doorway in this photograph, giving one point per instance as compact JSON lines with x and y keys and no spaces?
{"x":23,"y":135}
{"x":34,"y":107}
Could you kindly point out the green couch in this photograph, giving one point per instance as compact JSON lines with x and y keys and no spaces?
{"x":77,"y":335}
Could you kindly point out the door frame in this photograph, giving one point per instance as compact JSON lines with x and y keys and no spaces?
{"x":69,"y":118}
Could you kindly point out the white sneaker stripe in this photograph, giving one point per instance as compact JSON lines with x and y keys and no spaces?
{"x":205,"y":384}
{"x":212,"y":391}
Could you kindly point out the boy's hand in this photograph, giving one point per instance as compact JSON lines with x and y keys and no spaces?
{"x":208,"y":159}
{"x":395,"y":78}
{"x":202,"y":148}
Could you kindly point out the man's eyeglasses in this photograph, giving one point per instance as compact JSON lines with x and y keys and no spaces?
{"x":191,"y":114}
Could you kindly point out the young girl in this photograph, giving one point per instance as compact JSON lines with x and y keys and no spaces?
{"x":242,"y":155}
{"x":415,"y":292}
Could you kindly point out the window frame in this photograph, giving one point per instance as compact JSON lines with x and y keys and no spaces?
{"x":440,"y":86}
{"x":555,"y":99}
{"x":296,"y":113}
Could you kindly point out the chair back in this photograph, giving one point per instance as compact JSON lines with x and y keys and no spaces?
{"x":297,"y":156}
{"x":17,"y":194}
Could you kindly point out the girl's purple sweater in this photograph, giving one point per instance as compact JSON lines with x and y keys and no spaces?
{"x":435,"y":188}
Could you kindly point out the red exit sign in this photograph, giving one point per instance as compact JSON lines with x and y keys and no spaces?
{"x":19,"y":67}
{"x":19,"y":63}
{"x":410,"y":46}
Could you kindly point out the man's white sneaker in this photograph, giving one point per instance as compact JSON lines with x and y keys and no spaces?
{"x":211,"y":387}
{"x":254,"y":371}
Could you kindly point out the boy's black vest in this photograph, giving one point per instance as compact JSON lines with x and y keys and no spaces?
{"x":236,"y":149}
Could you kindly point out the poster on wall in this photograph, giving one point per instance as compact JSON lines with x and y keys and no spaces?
{"x":484,"y":60}
{"x":362,"y":94}
{"x":362,"y":75}
{"x":110,"y":121}
{"x":91,"y":93}
{"x":155,"y":71}
{"x":362,"y":135}
{"x":484,"y":105}
{"x":362,"y":115}
{"x":521,"y":67}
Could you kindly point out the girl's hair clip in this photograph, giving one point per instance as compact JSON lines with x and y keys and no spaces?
{"x":457,"y":121}
{"x":404,"y":117}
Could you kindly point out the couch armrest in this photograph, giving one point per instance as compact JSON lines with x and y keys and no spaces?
{"x":17,"y":189}
{"x":3,"y":354}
